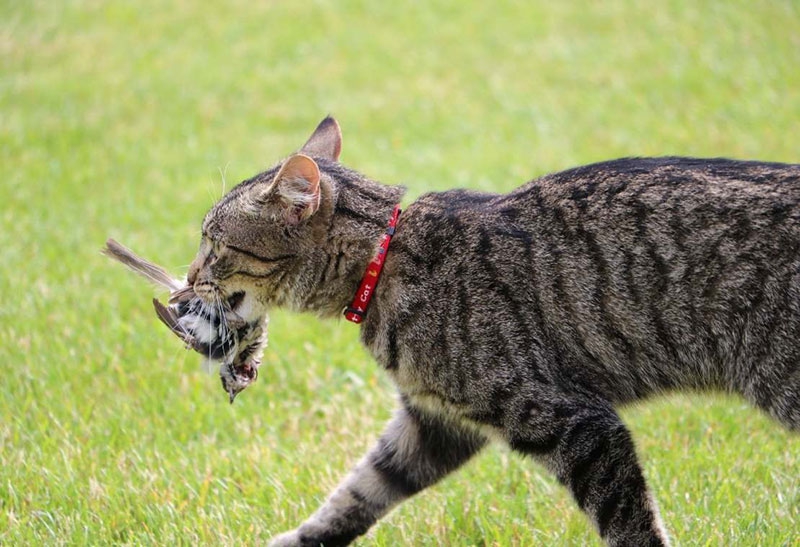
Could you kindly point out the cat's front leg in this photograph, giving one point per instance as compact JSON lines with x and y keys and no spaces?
{"x":415,"y":451}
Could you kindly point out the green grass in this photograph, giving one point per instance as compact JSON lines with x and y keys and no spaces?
{"x":129,"y":119}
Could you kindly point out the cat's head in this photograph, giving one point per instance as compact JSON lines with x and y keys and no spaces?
{"x":299,"y":235}
{"x":258,"y":239}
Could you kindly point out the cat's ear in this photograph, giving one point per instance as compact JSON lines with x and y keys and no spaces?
{"x":296,"y":188}
{"x":325,"y":142}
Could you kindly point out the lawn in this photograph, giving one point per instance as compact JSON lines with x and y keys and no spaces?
{"x":129,"y":119}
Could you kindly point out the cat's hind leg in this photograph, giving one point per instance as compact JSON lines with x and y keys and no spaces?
{"x":767,"y":369}
{"x":771,"y":380}
{"x":589,"y":449}
{"x":415,"y":451}
{"x":789,"y":411}
{"x":780,"y":399}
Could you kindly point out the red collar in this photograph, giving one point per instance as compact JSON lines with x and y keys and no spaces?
{"x":358,"y":308}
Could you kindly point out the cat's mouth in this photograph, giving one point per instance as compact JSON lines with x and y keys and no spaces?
{"x":213,"y":294}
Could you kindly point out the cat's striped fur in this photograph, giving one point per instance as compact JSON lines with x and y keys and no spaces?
{"x":529,"y":317}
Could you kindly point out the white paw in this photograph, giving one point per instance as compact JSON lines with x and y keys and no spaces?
{"x":287,"y":539}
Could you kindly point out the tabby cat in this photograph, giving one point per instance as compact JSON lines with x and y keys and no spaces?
{"x":527,"y":317}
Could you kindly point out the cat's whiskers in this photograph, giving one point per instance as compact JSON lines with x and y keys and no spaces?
{"x":179,"y":354}
{"x":224,"y":330}
{"x":222,"y":173}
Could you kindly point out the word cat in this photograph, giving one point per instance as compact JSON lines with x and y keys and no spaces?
{"x":526,"y":317}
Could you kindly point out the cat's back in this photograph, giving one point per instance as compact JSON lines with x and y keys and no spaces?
{"x":661,"y":182}
{"x":674,"y":199}
{"x":666,"y":264}
{"x":622,"y":182}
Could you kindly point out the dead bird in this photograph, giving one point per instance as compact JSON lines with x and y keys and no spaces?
{"x":213,"y":329}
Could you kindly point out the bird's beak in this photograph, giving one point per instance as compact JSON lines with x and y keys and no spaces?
{"x":232,"y":394}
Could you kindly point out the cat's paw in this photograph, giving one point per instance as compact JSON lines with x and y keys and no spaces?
{"x":286,"y":539}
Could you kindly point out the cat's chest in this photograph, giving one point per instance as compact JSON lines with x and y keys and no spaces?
{"x":436,"y":396}
{"x":461,"y":414}
{"x":411,"y":374}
